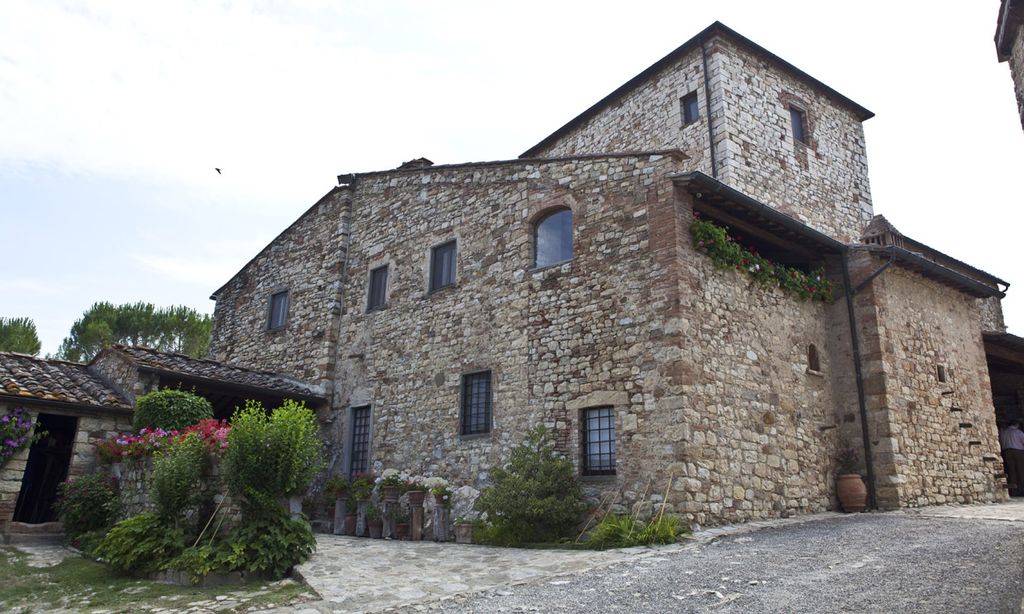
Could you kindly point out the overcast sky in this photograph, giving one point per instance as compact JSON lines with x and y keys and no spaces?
{"x":114,"y":114}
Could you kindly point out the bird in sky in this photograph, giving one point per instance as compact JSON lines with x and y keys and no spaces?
{"x":218,"y":170}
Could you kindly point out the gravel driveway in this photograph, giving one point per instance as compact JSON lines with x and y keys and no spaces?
{"x":897,"y":562}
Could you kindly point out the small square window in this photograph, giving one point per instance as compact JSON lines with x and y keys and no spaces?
{"x":278,"y":310}
{"x":442,"y":266}
{"x":798,"y":118}
{"x":598,"y":441}
{"x":476,"y":403}
{"x":690,"y":108}
{"x":378,"y":288}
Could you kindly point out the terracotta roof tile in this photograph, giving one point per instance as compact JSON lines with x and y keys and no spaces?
{"x":55,"y":380}
{"x":187,"y":366}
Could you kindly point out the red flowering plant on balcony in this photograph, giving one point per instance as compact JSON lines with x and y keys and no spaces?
{"x":213,"y":433}
{"x":727,"y":252}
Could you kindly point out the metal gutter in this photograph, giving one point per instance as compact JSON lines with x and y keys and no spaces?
{"x":869,"y":465}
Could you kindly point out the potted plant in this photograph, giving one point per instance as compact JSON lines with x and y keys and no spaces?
{"x":402,"y":525}
{"x":374,"y":522}
{"x":337,"y":488}
{"x":391,"y":483}
{"x":850,"y":489}
{"x":361,"y":490}
{"x":463,"y":530}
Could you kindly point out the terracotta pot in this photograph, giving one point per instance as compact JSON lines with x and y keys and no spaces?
{"x":376,"y":528}
{"x":852,"y":493}
{"x":350,"y":524}
{"x":416,"y":497}
{"x":402,"y":530}
{"x":391,"y":494}
{"x":463,"y":534}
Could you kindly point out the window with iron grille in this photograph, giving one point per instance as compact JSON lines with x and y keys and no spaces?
{"x":378,"y":288}
{"x":799,"y":120}
{"x":476,"y":403}
{"x":690,"y":108}
{"x":442,"y":266}
{"x":278,"y":312}
{"x":359,"y":442}
{"x":598,"y":441}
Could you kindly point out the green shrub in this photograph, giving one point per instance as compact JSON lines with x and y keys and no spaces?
{"x":272,"y":543}
{"x":270,"y":457}
{"x":141,"y":544}
{"x":176,"y":485}
{"x":171,"y":410}
{"x":536,"y":498}
{"x":87,"y":503}
{"x":624,"y":531}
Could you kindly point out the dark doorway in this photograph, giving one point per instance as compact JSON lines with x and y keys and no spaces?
{"x":48,"y":462}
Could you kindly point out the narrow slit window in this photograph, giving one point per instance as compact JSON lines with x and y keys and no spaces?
{"x":598,"y":441}
{"x":940,"y":372}
{"x":442,"y":266}
{"x":476,"y":403}
{"x":378,"y":288}
{"x":278,"y":312}
{"x":359,"y":442}
{"x":798,"y":117}
{"x":813,"y":362}
{"x":690,"y":108}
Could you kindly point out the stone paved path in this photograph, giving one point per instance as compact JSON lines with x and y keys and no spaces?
{"x":1012,"y":511}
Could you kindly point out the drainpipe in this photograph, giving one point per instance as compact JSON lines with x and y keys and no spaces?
{"x":861,"y":397}
{"x":707,"y":109}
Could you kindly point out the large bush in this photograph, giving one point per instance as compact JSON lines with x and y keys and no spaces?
{"x":536,"y":498}
{"x":171,"y":410}
{"x":87,"y":503}
{"x":176,"y":485}
{"x":141,"y":544}
{"x":270,"y":457}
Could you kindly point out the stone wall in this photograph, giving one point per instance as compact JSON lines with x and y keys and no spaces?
{"x":934,"y":442}
{"x":707,"y":375}
{"x":1017,"y":69}
{"x":823,"y":183}
{"x":307,"y":261}
{"x":133,"y":483}
{"x":119,"y":372}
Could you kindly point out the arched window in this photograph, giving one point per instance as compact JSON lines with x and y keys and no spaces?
{"x":553,"y":238}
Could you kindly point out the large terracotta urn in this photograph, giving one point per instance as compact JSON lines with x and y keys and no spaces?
{"x":852,"y":493}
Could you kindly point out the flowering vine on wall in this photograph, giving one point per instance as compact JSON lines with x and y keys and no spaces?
{"x":17,"y":432}
{"x":727,"y":252}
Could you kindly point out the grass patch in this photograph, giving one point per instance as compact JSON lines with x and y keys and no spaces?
{"x":81,"y":585}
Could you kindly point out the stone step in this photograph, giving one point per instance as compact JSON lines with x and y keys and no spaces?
{"x":24,"y":534}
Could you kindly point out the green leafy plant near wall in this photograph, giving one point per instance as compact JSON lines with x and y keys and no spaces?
{"x":170,"y":410}
{"x":726,"y":253}
{"x":87,"y":503}
{"x":176,"y":483}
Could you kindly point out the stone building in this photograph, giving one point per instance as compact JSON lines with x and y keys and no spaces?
{"x":81,"y":405}
{"x":441,"y":311}
{"x":1010,"y":45}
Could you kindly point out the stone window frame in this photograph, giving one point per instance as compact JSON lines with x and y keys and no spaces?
{"x":429,"y":266}
{"x":463,"y":401}
{"x":790,"y":102}
{"x":942,"y":374}
{"x":584,"y":428}
{"x":269,"y":319}
{"x":684,"y":106}
{"x":813,"y":360}
{"x":384,"y":264}
{"x":350,"y":419}
{"x":535,"y":222}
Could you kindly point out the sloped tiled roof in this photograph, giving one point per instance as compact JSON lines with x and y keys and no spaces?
{"x":28,"y":377}
{"x":185,"y":366}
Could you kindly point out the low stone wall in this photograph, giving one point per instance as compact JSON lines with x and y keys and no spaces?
{"x":133,"y":478}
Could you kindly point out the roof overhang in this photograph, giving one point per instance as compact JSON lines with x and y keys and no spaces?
{"x":936,"y":272}
{"x":64,"y":407}
{"x":233,"y":387}
{"x":1004,"y":348}
{"x":719,"y":202}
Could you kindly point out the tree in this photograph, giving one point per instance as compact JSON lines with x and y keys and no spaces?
{"x":169,"y":329}
{"x":19,"y":335}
